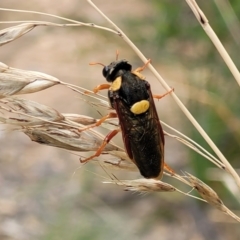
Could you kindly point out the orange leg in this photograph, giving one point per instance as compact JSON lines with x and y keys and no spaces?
{"x":140,"y":69}
{"x":99,"y":122}
{"x":161,"y":96}
{"x":169,"y":169}
{"x":101,"y":148}
{"x":117,"y":54}
{"x":99,"y":87}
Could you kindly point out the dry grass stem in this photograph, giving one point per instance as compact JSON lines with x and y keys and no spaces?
{"x":210,"y":195}
{"x":192,"y":144}
{"x":110,"y":124}
{"x":113,"y":123}
{"x":17,"y":31}
{"x":225,"y":8}
{"x":144,"y":185}
{"x":228,"y":166}
{"x":32,"y":113}
{"x":67,"y":138}
{"x":75,"y":88}
{"x":117,"y":161}
{"x":214,"y":174}
{"x":77,"y":118}
{"x":151,"y":185}
{"x":15,"y":81}
{"x":41,"y":23}
{"x":46,"y":125}
{"x":101,"y":100}
{"x":215,"y":40}
{"x":9,"y":34}
{"x":42,"y":125}
{"x":195,"y":148}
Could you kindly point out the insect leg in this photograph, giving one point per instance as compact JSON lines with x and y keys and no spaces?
{"x":140,"y":69}
{"x":99,"y":122}
{"x":101,"y":148}
{"x":99,"y":87}
{"x":169,"y":169}
{"x":161,"y":96}
{"x":117,"y":54}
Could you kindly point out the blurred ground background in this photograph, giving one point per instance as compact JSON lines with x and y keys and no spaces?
{"x":43,"y":192}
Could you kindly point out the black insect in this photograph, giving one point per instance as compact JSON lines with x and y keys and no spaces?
{"x":130,"y":95}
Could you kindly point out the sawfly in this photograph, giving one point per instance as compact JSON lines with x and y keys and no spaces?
{"x":131,"y":97}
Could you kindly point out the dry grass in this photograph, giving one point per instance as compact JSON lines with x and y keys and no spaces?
{"x":48,"y":126}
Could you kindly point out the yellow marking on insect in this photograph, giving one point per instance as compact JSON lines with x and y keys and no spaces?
{"x":140,"y":107}
{"x":138,"y":74}
{"x":116,"y":84}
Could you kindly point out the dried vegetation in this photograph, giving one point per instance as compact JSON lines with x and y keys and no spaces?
{"x":48,"y":126}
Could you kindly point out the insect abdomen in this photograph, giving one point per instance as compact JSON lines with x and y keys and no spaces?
{"x":147,"y":152}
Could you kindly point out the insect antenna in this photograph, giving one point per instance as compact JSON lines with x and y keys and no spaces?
{"x":97,"y":63}
{"x":117,"y":54}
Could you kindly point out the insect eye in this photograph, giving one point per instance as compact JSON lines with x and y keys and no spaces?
{"x":105,"y":71}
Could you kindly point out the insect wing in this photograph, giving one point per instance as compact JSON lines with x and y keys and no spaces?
{"x":142,"y":135}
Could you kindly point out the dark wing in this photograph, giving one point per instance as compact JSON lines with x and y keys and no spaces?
{"x":142,"y":135}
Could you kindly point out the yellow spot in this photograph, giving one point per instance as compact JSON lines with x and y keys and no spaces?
{"x":116,"y":84}
{"x":138,"y":74}
{"x":140,"y":107}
